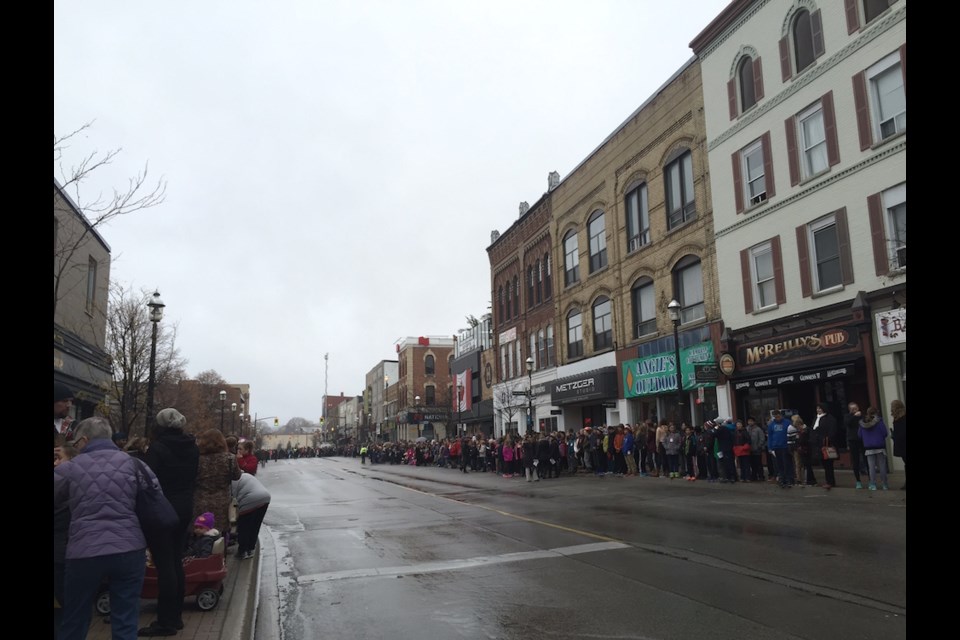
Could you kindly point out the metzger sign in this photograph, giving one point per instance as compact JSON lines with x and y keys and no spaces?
{"x":800,"y":345}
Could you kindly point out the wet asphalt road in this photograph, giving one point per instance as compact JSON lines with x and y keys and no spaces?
{"x":402,"y":552}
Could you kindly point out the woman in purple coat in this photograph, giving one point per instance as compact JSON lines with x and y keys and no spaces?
{"x":874,"y":435}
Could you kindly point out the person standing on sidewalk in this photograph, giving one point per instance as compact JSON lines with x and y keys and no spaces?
{"x":758,"y":444}
{"x":826,"y":434}
{"x":854,"y":444}
{"x":174,"y":457}
{"x":777,"y":443}
{"x":253,"y":499}
{"x":898,"y":416}
{"x":873,"y":433}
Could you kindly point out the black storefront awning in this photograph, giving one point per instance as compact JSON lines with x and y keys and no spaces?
{"x":831,"y":372}
{"x":598,"y":384}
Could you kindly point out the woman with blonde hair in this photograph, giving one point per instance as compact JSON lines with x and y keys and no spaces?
{"x":898,"y":416}
{"x":216,"y":471}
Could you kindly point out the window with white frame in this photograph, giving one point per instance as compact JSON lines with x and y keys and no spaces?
{"x":638,"y":218}
{"x":539,"y":281}
{"x":644,"y":310}
{"x":547,"y":279}
{"x":504,"y":371}
{"x":762,"y":275}
{"x":597,"y":229}
{"x":542,"y":349}
{"x":574,"y":334}
{"x":602,"y":324}
{"x":551,"y":357}
{"x":533,"y":349}
{"x":518,"y":362}
{"x":755,"y":182}
{"x":571,"y":259}
{"x":888,"y":99}
{"x":825,"y":241}
{"x":688,"y":284}
{"x":678,"y":178}
{"x":895,"y":205}
{"x":812,"y":139}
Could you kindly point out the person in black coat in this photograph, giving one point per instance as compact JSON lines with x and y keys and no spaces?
{"x":543,"y":456}
{"x":826,"y":433}
{"x":898,"y":415}
{"x":529,"y":455}
{"x":174,"y":457}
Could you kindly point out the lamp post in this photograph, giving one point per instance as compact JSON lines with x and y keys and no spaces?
{"x":674,"y":309}
{"x":529,"y":394}
{"x":459,"y":405}
{"x":241,"y":423}
{"x":156,"y":314}
{"x":223,"y":397}
{"x":416,"y":409}
{"x":233,"y":418}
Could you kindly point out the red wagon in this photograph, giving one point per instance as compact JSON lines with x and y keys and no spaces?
{"x":203,"y":579}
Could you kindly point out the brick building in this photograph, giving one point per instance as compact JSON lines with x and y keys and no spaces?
{"x":423,"y":371}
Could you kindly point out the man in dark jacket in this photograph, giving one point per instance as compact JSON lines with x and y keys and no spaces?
{"x":724,"y":433}
{"x":173,"y":455}
{"x":543,"y":455}
{"x":851,"y":423}
{"x":825,"y":433}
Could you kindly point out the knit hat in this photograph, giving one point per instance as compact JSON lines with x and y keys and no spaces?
{"x":171,"y":418}
{"x":204,"y":520}
{"x":61,"y":392}
{"x":709,"y":424}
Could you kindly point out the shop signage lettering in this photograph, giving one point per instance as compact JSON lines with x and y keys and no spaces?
{"x":579,"y":384}
{"x":795,"y":378}
{"x":834,"y":340}
{"x":599,"y":384}
{"x":658,"y":374}
{"x":833,"y":373}
{"x":892,"y":327}
{"x":810,"y":377}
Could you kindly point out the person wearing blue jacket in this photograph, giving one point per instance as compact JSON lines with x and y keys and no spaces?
{"x":777,"y":444}
{"x":628,"y":447}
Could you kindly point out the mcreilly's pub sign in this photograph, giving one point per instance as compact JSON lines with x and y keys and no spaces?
{"x":787,"y":347}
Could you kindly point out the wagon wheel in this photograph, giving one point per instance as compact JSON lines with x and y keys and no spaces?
{"x":103,"y":603}
{"x":207,"y":599}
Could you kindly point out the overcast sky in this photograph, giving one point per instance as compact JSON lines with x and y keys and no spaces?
{"x":334,"y":169}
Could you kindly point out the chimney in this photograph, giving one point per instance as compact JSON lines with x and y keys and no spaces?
{"x":553,"y":180}
{"x":524,"y":207}
{"x":494,"y":235}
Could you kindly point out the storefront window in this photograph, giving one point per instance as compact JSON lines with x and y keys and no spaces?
{"x":760,"y":402}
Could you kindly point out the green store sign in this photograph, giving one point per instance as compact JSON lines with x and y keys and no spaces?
{"x":658,"y":374}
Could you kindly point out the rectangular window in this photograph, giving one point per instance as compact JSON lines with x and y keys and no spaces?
{"x":539,"y":282}
{"x":873,"y":8}
{"x":504,"y":371}
{"x":574,"y":335}
{"x":888,"y":99}
{"x":548,"y":281}
{"x":644,"y":311}
{"x":679,"y":185}
{"x":638,"y":219}
{"x":895,"y":204}
{"x":755,"y":184}
{"x":690,"y":284}
{"x":813,"y":141}
{"x":551,"y":358}
{"x":602,"y":326}
{"x":533,"y":349}
{"x":571,"y":260}
{"x":530,"y":284}
{"x":91,"y":283}
{"x":598,"y":243}
{"x":542,"y":349}
{"x":764,"y":284}
{"x":518,"y":361}
{"x":825,"y":241}
{"x":431,"y":394}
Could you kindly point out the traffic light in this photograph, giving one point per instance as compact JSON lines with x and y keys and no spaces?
{"x":276,"y":422}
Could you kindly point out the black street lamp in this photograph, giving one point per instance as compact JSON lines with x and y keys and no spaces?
{"x":674,"y":309}
{"x":529,"y":394}
{"x":241,"y":423}
{"x":223,"y":397}
{"x":459,"y":405}
{"x":156,"y":314}
{"x":416,"y":400}
{"x":233,"y":419}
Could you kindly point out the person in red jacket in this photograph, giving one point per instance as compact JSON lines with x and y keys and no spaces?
{"x":246,"y":459}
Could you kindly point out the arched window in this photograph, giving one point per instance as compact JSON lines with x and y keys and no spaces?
{"x":574,"y":334}
{"x":802,"y":44}
{"x":500,"y":316}
{"x":745,"y":78}
{"x":678,"y":179}
{"x":429,"y":365}
{"x":602,"y":324}
{"x":551,"y":357}
{"x":643,"y":307}
{"x":516,"y":296}
{"x":597,"y":230}
{"x":508,"y":294}
{"x":571,"y":259}
{"x":688,"y":288}
{"x":638,"y":217}
{"x":542,"y":349}
{"x":547,"y":278}
{"x":803,"y":40}
{"x":530,"y":285}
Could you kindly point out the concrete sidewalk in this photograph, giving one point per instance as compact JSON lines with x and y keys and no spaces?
{"x":232,"y":619}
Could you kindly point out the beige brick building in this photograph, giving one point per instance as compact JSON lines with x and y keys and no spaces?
{"x":633,"y":230}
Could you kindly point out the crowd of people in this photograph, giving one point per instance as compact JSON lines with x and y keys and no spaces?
{"x":785,"y":450}
{"x":100,"y":478}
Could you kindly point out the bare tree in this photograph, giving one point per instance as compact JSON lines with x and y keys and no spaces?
{"x":129,"y":338}
{"x":99,"y":210}
{"x":507,"y":403}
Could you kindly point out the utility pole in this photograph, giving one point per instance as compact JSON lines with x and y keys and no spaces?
{"x":326,"y":362}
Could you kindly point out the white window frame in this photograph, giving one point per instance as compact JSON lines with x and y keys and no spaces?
{"x":551,"y":357}
{"x":812,"y":229}
{"x":597,"y":239}
{"x":685,"y":208}
{"x":577,"y":331}
{"x":639,"y":318}
{"x":752,"y":198}
{"x":517,"y":366}
{"x":886,"y":64}
{"x":893,"y":198}
{"x":571,"y":259}
{"x":602,"y":324}
{"x":690,"y":311}
{"x":638,"y":218}
{"x":808,"y":147}
{"x":533,"y":349}
{"x":756,"y":253}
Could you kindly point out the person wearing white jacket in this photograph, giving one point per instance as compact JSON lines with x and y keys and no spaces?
{"x":252,"y":502}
